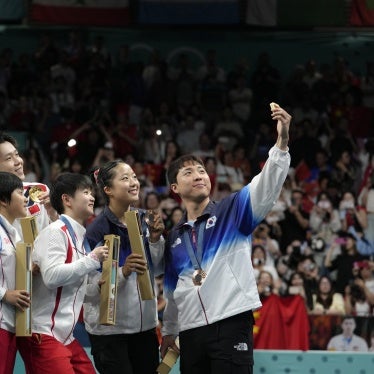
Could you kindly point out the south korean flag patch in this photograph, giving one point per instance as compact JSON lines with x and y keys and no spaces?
{"x":211,"y":222}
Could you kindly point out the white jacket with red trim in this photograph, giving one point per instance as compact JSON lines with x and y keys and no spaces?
{"x":59,"y":290}
{"x":7,"y":273}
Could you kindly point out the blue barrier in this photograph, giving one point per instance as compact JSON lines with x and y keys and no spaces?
{"x":292,"y":362}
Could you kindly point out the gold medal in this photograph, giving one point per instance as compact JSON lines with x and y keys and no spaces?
{"x":198,"y":277}
{"x":34,"y":193}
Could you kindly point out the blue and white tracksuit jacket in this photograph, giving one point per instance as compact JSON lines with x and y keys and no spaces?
{"x":230,"y":286}
{"x":133,"y":314}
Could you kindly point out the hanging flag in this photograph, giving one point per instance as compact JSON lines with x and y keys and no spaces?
{"x":296,"y":322}
{"x":362,"y":13}
{"x":281,"y":323}
{"x":269,"y":330}
{"x":188,"y":12}
{"x":81,"y":12}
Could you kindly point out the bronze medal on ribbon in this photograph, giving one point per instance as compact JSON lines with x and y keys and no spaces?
{"x":198,"y":277}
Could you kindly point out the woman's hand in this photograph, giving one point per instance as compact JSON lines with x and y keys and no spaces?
{"x":134,"y":263}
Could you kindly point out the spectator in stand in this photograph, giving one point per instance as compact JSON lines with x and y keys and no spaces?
{"x":153,"y":145}
{"x":61,"y":95}
{"x":183,"y":76}
{"x":321,"y":164}
{"x":227,"y":173}
{"x":172,"y":152}
{"x":310,"y":272}
{"x":311,"y":73}
{"x":265,"y":284}
{"x":189,"y":131}
{"x":152,"y":201}
{"x":241,"y":161}
{"x":360,"y":293}
{"x":175,"y":216}
{"x":124,"y":135}
{"x":326,"y":300}
{"x":261,"y":236}
{"x":205,"y":148}
{"x":296,"y":286}
{"x":165,"y":120}
{"x":211,"y":91}
{"x":296,"y":220}
{"x":355,"y":301}
{"x":352,"y":214}
{"x":240,"y":99}
{"x":104,"y":154}
{"x":366,"y":274}
{"x":324,"y":219}
{"x":259,"y":264}
{"x":45,"y":123}
{"x":342,"y":262}
{"x":210,"y":64}
{"x":345,"y":172}
{"x":227,"y":126}
{"x":284,"y":272}
{"x":366,"y":198}
{"x":211,"y":169}
{"x":347,"y":340}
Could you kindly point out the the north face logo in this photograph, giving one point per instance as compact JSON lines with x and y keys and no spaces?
{"x":241,"y":347}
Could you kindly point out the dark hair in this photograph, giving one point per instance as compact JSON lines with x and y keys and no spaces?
{"x":103,"y":176}
{"x":326,"y":303}
{"x":177,"y":164}
{"x":67,"y":183}
{"x":9,"y":183}
{"x":151,"y":193}
{"x":7,"y":138}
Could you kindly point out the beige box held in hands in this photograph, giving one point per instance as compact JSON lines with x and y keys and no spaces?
{"x":137,"y":246}
{"x":169,"y":360}
{"x":108,"y":291}
{"x":23,"y":282}
{"x":29,"y":229}
{"x":24,"y":272}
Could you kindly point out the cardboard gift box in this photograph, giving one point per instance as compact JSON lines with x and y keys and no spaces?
{"x":137,"y":246}
{"x":108,"y":291}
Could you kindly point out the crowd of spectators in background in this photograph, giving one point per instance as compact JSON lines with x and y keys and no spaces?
{"x":81,"y":105}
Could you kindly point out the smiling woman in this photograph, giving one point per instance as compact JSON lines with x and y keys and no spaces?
{"x":123,"y":346}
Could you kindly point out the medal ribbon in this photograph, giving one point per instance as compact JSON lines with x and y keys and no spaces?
{"x":86,"y":245}
{"x":195,"y":256}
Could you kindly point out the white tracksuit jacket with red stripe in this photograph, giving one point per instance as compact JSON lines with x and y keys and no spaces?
{"x":59,"y":291}
{"x":7,"y":273}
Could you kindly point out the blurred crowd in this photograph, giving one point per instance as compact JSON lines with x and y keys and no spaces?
{"x":81,"y":105}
